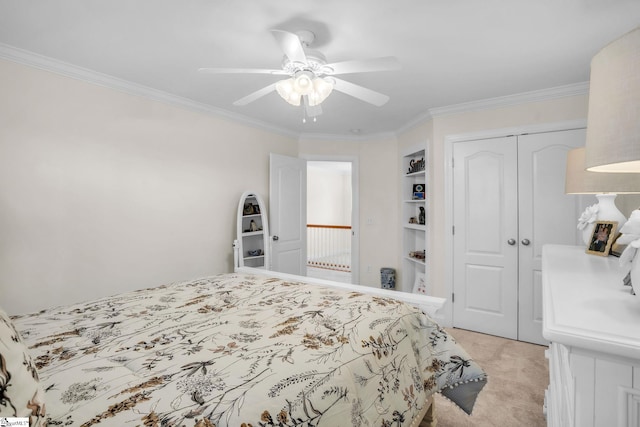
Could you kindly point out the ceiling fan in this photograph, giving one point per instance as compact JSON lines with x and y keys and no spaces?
{"x":310,"y":78}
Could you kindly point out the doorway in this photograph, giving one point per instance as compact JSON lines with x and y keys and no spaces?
{"x":334,"y":207}
{"x":330,"y":231}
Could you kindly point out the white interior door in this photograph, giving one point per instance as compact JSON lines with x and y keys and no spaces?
{"x":288,"y":214}
{"x":546,"y":215}
{"x":485,"y":278}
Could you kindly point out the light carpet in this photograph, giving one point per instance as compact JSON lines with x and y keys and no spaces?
{"x":514,"y":395}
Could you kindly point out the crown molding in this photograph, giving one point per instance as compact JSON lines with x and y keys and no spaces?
{"x":574,"y":89}
{"x":518,"y":130}
{"x":416,"y":121}
{"x":66,"y":69}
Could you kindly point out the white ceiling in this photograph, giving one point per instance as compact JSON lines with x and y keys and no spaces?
{"x":451,"y":51}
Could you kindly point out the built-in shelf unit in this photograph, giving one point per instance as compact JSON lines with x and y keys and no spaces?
{"x":413,"y":217}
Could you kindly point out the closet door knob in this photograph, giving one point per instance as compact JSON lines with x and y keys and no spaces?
{"x":526,"y":242}
{"x":511,"y":242}
{"x":275,"y":238}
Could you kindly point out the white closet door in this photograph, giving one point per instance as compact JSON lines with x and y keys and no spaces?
{"x":485,"y":277}
{"x":546,"y":215}
{"x":509,"y":201}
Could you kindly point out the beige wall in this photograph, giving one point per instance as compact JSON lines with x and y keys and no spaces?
{"x":102,"y":192}
{"x":378,"y":205}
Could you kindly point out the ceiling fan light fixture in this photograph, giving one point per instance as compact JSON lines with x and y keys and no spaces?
{"x":303,"y":82}
{"x":286,"y":89}
{"x":321,"y":90}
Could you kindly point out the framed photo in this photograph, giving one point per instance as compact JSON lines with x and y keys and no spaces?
{"x":604,"y":233}
{"x":418,"y":191}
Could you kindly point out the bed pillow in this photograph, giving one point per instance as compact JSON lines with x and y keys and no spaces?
{"x":21,"y":395}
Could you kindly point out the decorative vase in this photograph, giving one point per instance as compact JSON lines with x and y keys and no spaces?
{"x":608,"y":211}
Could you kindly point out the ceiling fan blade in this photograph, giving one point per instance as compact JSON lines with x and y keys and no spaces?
{"x":241,"y":71}
{"x":255,"y":95}
{"x":290,"y":45}
{"x":386,"y":63}
{"x":360,"y":92}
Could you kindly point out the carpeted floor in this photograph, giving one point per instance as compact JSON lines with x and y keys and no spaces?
{"x":518,"y":376}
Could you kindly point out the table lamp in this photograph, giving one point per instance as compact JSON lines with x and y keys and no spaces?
{"x":604,"y":185}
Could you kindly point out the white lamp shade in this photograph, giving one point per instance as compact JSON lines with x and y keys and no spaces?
{"x":580,"y":181}
{"x":286,"y":90}
{"x":613,"y":122}
{"x":321,"y":90}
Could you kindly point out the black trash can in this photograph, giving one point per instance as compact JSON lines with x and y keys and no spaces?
{"x":388,"y":278}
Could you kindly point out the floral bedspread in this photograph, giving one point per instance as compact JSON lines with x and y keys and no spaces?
{"x":242,"y":350}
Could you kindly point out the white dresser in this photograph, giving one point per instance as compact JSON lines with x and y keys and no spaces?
{"x":593,"y":324}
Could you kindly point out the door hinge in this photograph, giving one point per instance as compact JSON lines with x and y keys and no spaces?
{"x":453,"y":229}
{"x":452,"y":162}
{"x":453,"y":299}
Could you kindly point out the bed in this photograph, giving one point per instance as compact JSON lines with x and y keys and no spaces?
{"x":241,"y":349}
